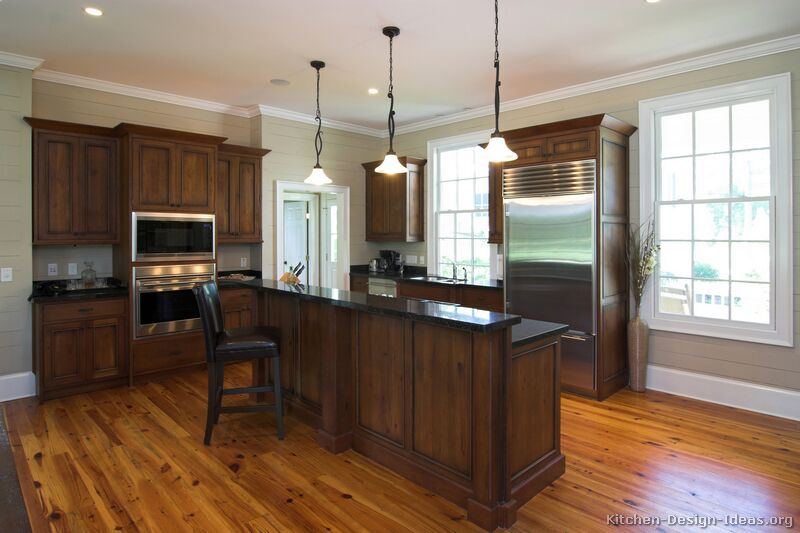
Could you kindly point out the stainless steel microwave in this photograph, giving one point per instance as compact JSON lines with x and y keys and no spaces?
{"x":172,"y":237}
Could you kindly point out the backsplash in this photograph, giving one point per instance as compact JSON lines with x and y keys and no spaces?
{"x":62,"y":256}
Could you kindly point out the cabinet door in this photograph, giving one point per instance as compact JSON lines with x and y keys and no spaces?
{"x":226,"y":197}
{"x":248,"y":204}
{"x":55,"y":183}
{"x":153,"y":168}
{"x":530,"y":151}
{"x":63,"y":354}
{"x":194,"y":186}
{"x":359,"y":284}
{"x":496,"y":210}
{"x":106,"y":348}
{"x":98,"y":198}
{"x":376,"y":201}
{"x":394,"y":205}
{"x":570,"y":146}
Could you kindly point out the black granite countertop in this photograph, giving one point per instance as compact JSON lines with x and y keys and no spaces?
{"x":45,"y":291}
{"x":442,"y":314}
{"x":411,"y":272}
{"x":529,"y":331}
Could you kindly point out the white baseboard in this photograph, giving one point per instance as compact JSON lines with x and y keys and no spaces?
{"x":19,"y":385}
{"x":734,"y":393}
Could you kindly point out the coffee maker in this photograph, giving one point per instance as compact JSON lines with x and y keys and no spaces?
{"x":393,"y":262}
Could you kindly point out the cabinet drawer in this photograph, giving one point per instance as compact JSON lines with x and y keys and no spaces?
{"x":359,"y":284}
{"x":236,"y":298}
{"x":168,"y":352}
{"x":482,"y":298}
{"x":56,"y":312}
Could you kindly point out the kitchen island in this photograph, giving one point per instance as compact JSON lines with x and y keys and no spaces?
{"x":462,"y":401}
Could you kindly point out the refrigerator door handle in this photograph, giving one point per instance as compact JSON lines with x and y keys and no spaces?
{"x":574,"y":337}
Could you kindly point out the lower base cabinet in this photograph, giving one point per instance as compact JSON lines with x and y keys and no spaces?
{"x":80,"y":346}
{"x":238,"y":307}
{"x":168,"y":352}
{"x":488,"y":298}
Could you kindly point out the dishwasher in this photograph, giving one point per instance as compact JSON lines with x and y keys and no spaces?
{"x":382,"y":287}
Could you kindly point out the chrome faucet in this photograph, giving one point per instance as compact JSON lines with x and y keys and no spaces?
{"x":455,"y":271}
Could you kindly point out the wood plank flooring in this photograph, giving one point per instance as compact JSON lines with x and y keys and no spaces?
{"x":132,"y":459}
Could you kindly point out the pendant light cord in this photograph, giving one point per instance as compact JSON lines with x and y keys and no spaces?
{"x":391,"y":97}
{"x":497,"y":71}
{"x":318,"y":118}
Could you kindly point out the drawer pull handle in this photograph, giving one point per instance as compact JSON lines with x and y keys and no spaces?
{"x":574,"y":338}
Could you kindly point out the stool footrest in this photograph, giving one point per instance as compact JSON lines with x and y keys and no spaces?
{"x":249,"y":390}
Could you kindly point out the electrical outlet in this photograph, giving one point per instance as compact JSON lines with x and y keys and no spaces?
{"x":243,"y":262}
{"x":72,"y":269}
{"x":422,"y":260}
{"x":52,"y":269}
{"x":6,"y":274}
{"x":411,"y":259}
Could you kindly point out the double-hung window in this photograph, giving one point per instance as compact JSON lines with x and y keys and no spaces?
{"x":716,"y":178}
{"x":460,"y":209}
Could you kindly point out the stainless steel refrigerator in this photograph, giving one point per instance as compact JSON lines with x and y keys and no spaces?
{"x":550,"y":257}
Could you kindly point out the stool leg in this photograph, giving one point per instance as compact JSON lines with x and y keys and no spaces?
{"x":220,"y":385}
{"x":212,"y":402}
{"x":278,"y":394}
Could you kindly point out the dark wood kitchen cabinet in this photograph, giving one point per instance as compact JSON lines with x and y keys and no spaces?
{"x":169,"y":170}
{"x":80,"y":345}
{"x":396,"y":203}
{"x":75,"y":184}
{"x":239,"y":194}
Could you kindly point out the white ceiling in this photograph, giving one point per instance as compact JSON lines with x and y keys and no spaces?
{"x":227,"y":50}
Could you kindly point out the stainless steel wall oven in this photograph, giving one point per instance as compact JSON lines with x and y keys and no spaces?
{"x":164,"y":302}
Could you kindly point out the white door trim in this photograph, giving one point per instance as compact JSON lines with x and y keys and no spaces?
{"x":282,"y":188}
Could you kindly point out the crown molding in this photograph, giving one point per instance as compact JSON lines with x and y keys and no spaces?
{"x":138,"y":92}
{"x":16,"y":60}
{"x":278,"y":112}
{"x":742,"y":53}
{"x":733,"y":55}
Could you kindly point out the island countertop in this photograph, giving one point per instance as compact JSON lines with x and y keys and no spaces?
{"x":442,"y":314}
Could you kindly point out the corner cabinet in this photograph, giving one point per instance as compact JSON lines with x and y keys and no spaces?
{"x":80,"y":345}
{"x":239,"y":194}
{"x":75,"y":184}
{"x":396,"y":203}
{"x":169,"y":170}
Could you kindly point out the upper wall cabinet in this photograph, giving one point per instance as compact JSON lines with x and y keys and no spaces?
{"x":567,"y":140}
{"x":75,"y":184}
{"x":396,"y":203}
{"x":239,"y":193}
{"x":169,"y":170}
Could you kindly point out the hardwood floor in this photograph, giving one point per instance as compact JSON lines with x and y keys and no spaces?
{"x":132,"y":459}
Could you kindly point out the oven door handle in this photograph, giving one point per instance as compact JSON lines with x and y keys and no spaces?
{"x":167,"y":288}
{"x":172,"y":281}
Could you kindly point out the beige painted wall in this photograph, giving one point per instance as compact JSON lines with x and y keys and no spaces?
{"x":758,"y":363}
{"x":15,"y":219}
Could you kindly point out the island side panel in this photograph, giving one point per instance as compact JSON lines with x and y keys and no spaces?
{"x":534,"y":443}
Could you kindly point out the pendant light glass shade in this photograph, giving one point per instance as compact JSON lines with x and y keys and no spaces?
{"x":317,"y":177}
{"x":497,"y":151}
{"x":391,"y":165}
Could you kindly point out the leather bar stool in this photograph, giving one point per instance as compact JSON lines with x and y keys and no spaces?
{"x":238,"y":344}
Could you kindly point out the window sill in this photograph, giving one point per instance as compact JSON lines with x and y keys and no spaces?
{"x":759,"y":336}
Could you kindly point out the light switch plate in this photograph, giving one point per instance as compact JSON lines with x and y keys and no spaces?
{"x":52,"y":269}
{"x":422,"y":260}
{"x":72,"y":269}
{"x":6,"y":274}
{"x":411,"y":259}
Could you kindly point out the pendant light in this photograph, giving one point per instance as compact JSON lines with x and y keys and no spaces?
{"x":496,"y":150}
{"x":391,"y":165}
{"x":317,"y":176}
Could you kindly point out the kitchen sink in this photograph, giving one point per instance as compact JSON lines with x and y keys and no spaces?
{"x":437,"y":279}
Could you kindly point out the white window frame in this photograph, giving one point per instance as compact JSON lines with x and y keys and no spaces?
{"x":435,"y":146}
{"x":778,"y":90}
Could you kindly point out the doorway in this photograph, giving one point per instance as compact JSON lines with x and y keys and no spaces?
{"x":312,"y":226}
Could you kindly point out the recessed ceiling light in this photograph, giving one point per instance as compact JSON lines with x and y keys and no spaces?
{"x":279,"y":82}
{"x":372,"y":90}
{"x":652,"y":1}
{"x":93,"y":11}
